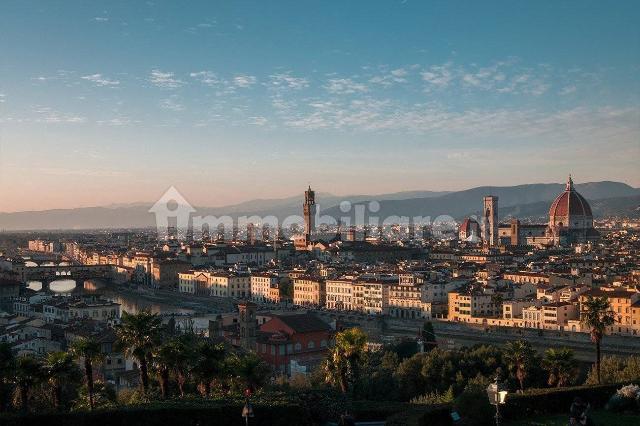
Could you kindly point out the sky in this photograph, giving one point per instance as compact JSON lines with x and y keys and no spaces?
{"x":105,"y":102}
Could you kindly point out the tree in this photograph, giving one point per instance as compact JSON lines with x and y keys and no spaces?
{"x":89,"y":351}
{"x":597,"y":316}
{"x":138,"y":334}
{"x":428,"y":336}
{"x":519,"y":356}
{"x":252,"y":371}
{"x":7,"y":365}
{"x":177,"y":356}
{"x":162,"y":359}
{"x":342,"y":364}
{"x":59,"y":370}
{"x":209,"y":364}
{"x":561,"y":366}
{"x":27,"y":373}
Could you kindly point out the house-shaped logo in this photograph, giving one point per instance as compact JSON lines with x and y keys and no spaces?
{"x":172,"y":205}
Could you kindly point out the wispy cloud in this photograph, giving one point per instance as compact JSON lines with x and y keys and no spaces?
{"x":206,"y":77}
{"x":49,"y":115}
{"x":397,"y":75}
{"x":117,"y":121}
{"x":244,"y":80}
{"x":439,"y":76}
{"x":345,"y":86}
{"x":99,"y":80}
{"x":288,"y":81}
{"x":172,"y":104}
{"x":165,"y":80}
{"x":567,"y":90}
{"x":101,"y":19}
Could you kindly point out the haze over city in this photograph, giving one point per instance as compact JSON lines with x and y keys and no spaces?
{"x":319,"y":212}
{"x":105,"y":102}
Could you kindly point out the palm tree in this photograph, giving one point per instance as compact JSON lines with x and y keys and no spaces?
{"x":59,"y":370}
{"x":561,"y":366}
{"x":342,"y":364}
{"x":252,"y":370}
{"x":178,"y":356}
{"x":162,"y":359}
{"x":138,"y":334}
{"x":519,"y":355}
{"x":184,"y":358}
{"x":89,"y":351}
{"x":27,"y":373}
{"x":7,"y":365}
{"x":596,"y":315}
{"x":209,"y":364}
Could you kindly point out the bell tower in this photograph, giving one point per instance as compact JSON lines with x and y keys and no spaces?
{"x":490,"y":221}
{"x":309,"y":210}
{"x":248,"y":324}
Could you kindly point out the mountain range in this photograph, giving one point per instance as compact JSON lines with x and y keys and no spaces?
{"x":524,"y":201}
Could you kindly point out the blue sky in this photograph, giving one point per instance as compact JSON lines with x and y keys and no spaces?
{"x":115,"y":101}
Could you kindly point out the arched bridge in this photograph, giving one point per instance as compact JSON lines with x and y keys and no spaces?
{"x":46,"y":274}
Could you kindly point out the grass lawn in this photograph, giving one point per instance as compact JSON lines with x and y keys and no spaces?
{"x":600,"y":418}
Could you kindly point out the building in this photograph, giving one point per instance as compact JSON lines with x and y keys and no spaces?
{"x":405,"y":299}
{"x":570,"y":218}
{"x":470,"y":231}
{"x":490,"y":220}
{"x":309,"y":291}
{"x":556,"y":315}
{"x":296,"y":339}
{"x":570,"y":222}
{"x":340,"y":294}
{"x":473,"y":303}
{"x":262,"y":286}
{"x":164,"y":273}
{"x":229,"y":284}
{"x":371,"y":294}
{"x":194,"y":282}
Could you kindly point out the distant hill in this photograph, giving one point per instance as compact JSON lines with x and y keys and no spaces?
{"x":469,"y":202}
{"x":521,"y":201}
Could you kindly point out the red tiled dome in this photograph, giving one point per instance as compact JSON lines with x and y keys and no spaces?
{"x":569,"y":203}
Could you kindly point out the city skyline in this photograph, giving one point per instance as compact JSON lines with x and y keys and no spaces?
{"x":233,"y":102}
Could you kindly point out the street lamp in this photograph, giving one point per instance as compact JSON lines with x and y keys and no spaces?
{"x":247,"y":412}
{"x":497,"y":394}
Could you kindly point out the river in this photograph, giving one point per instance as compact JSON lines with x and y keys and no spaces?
{"x":200,"y":311}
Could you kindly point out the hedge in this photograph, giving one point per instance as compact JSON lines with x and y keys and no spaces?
{"x":437,"y":415}
{"x":225,"y":415}
{"x":555,"y":400}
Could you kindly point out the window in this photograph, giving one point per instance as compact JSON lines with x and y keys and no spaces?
{"x":298,"y":347}
{"x":311,"y":344}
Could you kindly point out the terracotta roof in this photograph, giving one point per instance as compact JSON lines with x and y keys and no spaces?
{"x":570,"y":202}
{"x":304,"y":323}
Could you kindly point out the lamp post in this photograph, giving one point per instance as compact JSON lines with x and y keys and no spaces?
{"x":497,"y":394}
{"x":247,"y":412}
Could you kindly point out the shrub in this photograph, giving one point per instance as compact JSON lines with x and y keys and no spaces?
{"x":626,"y":398}
{"x":554,"y":400}
{"x":434,"y":398}
{"x":473,"y":406}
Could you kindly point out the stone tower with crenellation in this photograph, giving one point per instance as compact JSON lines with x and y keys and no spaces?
{"x":309,"y":211}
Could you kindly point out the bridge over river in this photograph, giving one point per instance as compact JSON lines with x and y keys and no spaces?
{"x":79,"y":273}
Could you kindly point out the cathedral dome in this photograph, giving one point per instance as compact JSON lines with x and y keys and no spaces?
{"x":570,"y":209}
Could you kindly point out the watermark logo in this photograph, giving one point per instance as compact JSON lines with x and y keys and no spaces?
{"x":176,"y":219}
